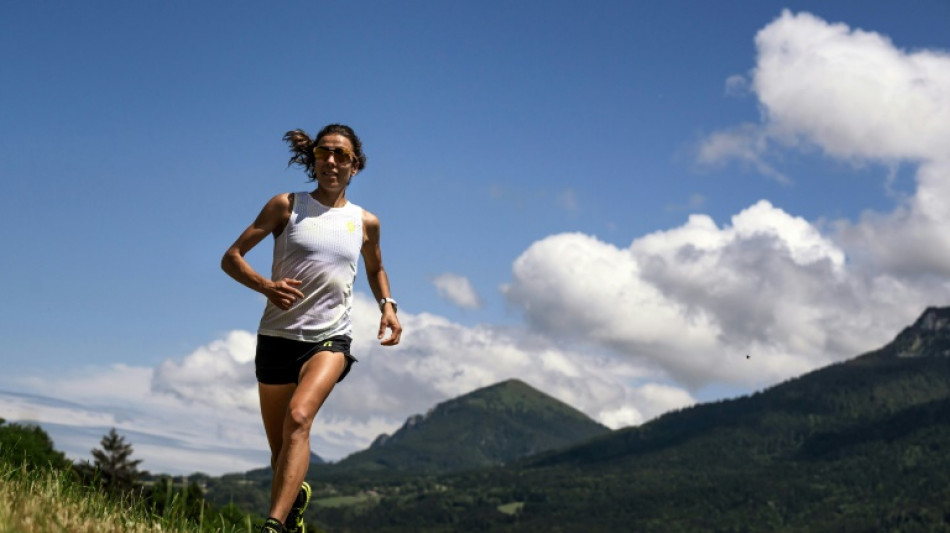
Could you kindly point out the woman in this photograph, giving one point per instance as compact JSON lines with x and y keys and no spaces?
{"x":303,"y":343}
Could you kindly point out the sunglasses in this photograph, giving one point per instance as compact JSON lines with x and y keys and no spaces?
{"x":342,"y":155}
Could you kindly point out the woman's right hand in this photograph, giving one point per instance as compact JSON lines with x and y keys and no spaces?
{"x":282,"y":293}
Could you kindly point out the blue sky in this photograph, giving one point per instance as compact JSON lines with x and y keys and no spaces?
{"x":613,"y":202}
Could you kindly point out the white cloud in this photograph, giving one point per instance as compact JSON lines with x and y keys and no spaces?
{"x":30,"y":407}
{"x":170,"y":435}
{"x":857,"y":97}
{"x":229,"y":361}
{"x":195,"y":412}
{"x":439,"y":359}
{"x":746,"y":143}
{"x":851,"y":92}
{"x":694,"y":300}
{"x":457,"y":290}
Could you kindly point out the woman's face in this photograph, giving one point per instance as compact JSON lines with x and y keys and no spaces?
{"x":334,"y":162}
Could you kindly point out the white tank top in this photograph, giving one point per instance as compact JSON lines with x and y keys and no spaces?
{"x":320,"y":246}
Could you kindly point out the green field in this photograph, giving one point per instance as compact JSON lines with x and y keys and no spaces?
{"x":344,"y":501}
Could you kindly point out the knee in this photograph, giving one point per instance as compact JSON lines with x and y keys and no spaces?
{"x":299,"y":422}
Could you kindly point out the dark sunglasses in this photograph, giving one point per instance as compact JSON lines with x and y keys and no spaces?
{"x":342,"y":155}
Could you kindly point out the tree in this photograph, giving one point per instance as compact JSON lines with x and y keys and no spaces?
{"x":113,"y":468}
{"x":29,"y":445}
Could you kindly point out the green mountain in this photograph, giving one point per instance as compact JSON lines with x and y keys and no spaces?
{"x":863,"y":445}
{"x":788,"y":419}
{"x":488,"y":427}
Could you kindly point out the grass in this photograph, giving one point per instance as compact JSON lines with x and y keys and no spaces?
{"x":42,"y":500}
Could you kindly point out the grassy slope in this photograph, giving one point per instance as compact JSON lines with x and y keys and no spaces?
{"x":47,"y":500}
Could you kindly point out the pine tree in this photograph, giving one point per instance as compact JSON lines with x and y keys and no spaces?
{"x":113,"y":468}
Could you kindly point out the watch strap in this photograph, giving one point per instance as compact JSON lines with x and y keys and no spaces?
{"x":384,"y":301}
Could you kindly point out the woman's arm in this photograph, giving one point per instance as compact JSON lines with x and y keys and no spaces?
{"x":378,"y":280}
{"x":271,"y":220}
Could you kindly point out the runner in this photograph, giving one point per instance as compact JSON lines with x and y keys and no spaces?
{"x":303,"y":342}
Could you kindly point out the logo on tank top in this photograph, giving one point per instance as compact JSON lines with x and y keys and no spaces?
{"x":350,"y":226}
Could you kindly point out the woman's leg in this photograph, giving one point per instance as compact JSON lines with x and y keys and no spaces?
{"x":317,"y":378}
{"x":275,"y":399}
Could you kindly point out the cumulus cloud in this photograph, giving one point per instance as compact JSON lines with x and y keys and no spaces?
{"x":851,"y":92}
{"x":229,"y":361}
{"x":694,"y":300}
{"x":457,"y":290}
{"x":198,"y":411}
{"x":439,"y":359}
{"x":857,"y":97}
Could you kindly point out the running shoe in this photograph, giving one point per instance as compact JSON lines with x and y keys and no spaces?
{"x":272,"y":525}
{"x":295,"y":522}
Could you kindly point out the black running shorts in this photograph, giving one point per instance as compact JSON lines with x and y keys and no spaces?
{"x":278,"y":360}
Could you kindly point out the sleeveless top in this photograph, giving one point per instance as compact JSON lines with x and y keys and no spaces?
{"x":320,"y":246}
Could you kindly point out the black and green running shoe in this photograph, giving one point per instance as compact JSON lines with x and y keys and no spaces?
{"x":294,"y":522}
{"x":272,"y":525}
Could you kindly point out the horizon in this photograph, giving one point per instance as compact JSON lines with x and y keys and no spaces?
{"x":68,"y":432}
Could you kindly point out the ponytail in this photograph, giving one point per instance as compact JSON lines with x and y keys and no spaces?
{"x":301,"y":147}
{"x":301,"y":150}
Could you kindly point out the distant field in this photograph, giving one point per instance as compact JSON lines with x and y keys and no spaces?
{"x":343,"y":501}
{"x":511,"y":508}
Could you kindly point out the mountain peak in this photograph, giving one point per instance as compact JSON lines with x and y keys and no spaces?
{"x":929,"y":336}
{"x":488,"y":426}
{"x":934,"y":319}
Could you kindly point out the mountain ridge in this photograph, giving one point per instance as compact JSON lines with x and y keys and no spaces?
{"x":887,"y":379}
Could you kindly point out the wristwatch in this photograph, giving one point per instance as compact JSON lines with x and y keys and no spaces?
{"x":384,"y":301}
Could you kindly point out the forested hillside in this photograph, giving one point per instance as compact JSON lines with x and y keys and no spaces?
{"x":857,"y":446}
